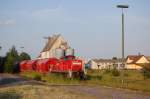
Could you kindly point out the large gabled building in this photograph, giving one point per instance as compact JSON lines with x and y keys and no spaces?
{"x":53,"y":43}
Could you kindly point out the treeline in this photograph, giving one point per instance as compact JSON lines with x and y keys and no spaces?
{"x":10,"y":62}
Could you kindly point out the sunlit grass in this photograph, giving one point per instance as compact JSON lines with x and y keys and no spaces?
{"x":39,"y":92}
{"x":129,"y":79}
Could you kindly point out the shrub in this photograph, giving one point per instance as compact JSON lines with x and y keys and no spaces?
{"x":115,"y":72}
{"x":99,"y":77}
{"x":146,"y":74}
{"x":107,"y":71}
{"x":37,"y":77}
{"x":88,"y":77}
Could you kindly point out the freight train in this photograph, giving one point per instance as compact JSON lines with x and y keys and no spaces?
{"x":68,"y":65}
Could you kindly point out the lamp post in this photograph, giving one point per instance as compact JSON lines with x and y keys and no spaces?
{"x":122,"y":7}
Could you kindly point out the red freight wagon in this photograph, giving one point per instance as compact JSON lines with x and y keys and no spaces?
{"x":31,"y":65}
{"x":68,"y":66}
{"x":45,"y":65}
{"x":23,"y":66}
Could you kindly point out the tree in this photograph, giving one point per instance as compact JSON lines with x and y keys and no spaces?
{"x":12,"y":58}
{"x":24,"y":56}
{"x":2,"y":62}
{"x":114,"y":58}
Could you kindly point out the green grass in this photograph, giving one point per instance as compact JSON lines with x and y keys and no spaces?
{"x":52,"y":78}
{"x":132,"y":79}
{"x":9,"y":95}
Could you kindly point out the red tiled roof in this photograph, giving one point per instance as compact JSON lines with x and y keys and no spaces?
{"x":135,"y":58}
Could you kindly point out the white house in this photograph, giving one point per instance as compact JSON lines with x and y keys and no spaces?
{"x":105,"y":64}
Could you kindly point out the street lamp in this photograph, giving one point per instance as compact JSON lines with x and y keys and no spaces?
{"x":122,"y":7}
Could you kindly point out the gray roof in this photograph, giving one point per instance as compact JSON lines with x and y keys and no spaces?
{"x":107,"y":60}
{"x":51,"y":42}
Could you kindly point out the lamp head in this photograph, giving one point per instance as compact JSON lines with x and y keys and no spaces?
{"x":122,"y":6}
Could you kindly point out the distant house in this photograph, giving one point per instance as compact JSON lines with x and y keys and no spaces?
{"x":54,"y":42}
{"x":105,"y":64}
{"x":136,"y":61}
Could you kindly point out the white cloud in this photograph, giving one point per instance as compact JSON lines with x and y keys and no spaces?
{"x":57,"y":15}
{"x":43,"y":13}
{"x":7,"y":22}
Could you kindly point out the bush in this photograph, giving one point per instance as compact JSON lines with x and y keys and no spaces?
{"x":115,"y":72}
{"x":107,"y":71}
{"x":146,"y":74}
{"x":98,"y":77}
{"x":37,"y":77}
{"x":88,"y":77}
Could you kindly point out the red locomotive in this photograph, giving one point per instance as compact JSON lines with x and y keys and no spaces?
{"x":66,"y":65}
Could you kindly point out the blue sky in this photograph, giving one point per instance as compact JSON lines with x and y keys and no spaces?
{"x":92,"y":27}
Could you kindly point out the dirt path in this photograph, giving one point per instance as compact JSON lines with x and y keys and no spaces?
{"x":9,"y":79}
{"x":109,"y":93}
{"x":98,"y":92}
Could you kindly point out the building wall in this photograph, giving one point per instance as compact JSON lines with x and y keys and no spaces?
{"x":58,"y":43}
{"x":129,"y":61}
{"x":133,"y":66}
{"x":93,"y":65}
{"x":142,"y":60}
{"x":103,"y":65}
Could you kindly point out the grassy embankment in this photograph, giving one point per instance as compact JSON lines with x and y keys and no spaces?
{"x":40,"y":92}
{"x":132,"y":79}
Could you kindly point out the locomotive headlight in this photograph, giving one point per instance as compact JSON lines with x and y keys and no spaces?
{"x":76,"y":63}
